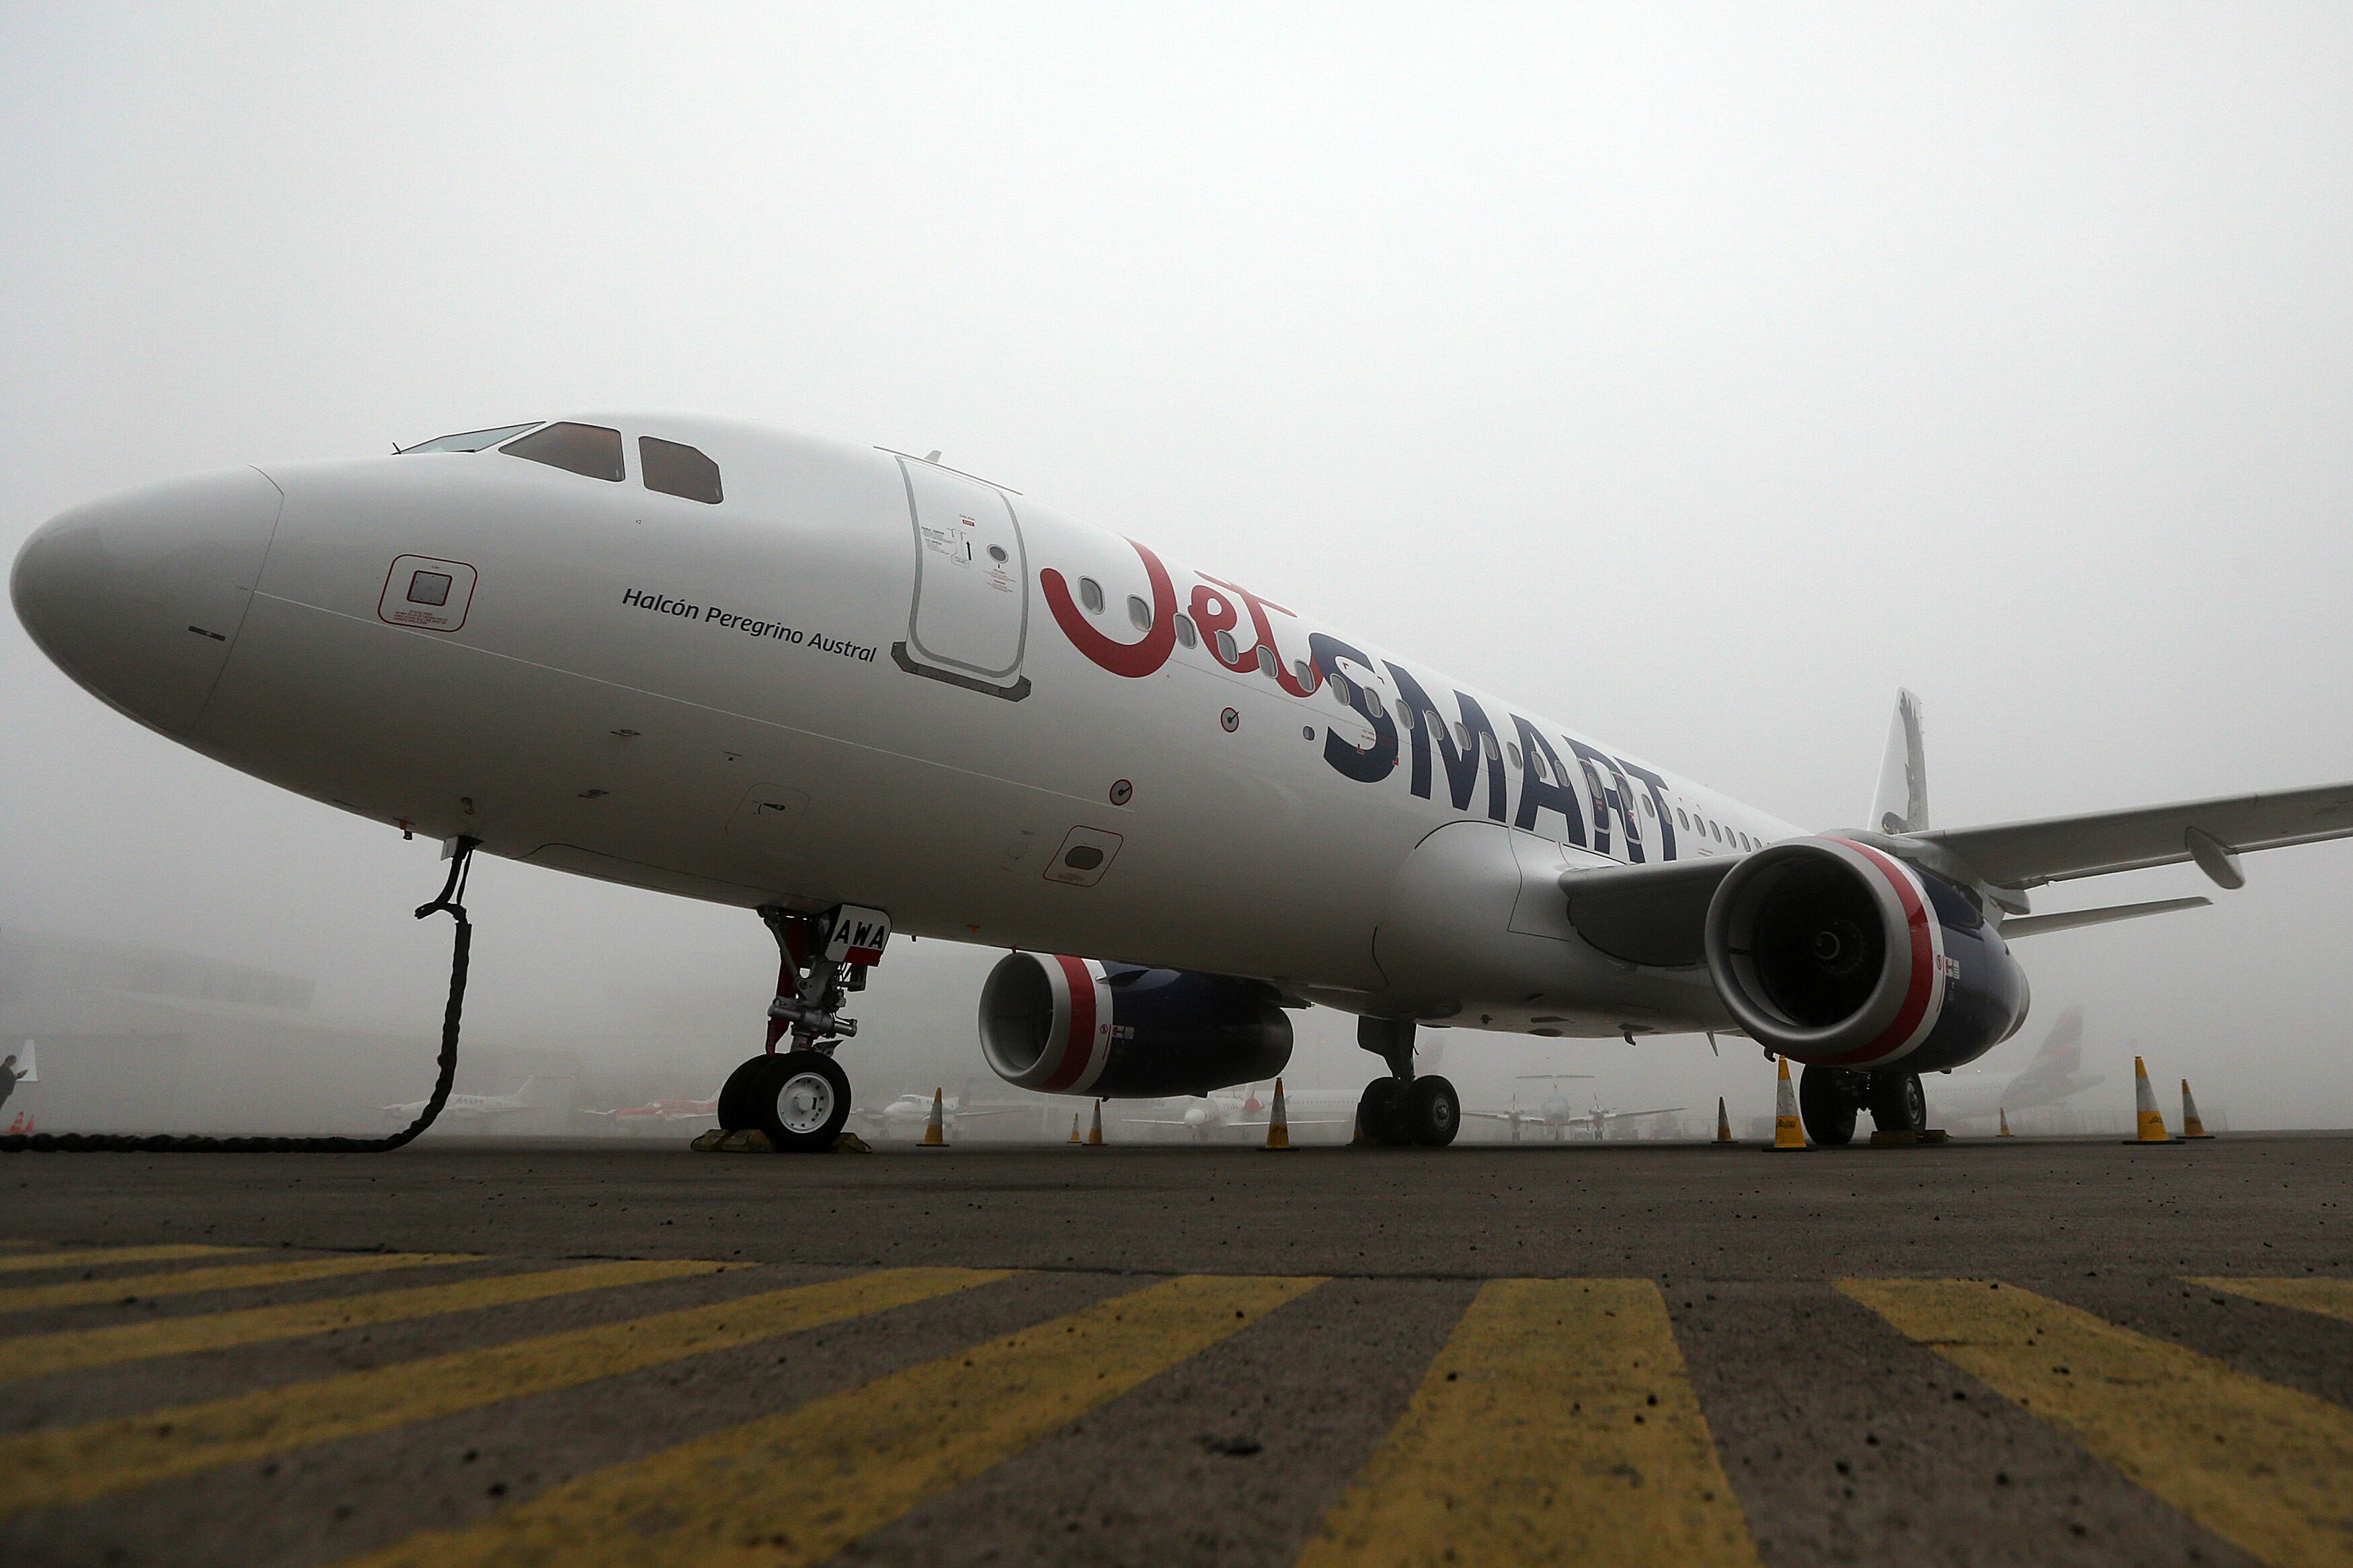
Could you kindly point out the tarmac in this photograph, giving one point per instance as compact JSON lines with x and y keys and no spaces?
{"x":1988,"y":1350}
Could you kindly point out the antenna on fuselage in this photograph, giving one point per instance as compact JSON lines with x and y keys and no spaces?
{"x":934,"y":456}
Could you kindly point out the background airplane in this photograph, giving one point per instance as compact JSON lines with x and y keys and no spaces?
{"x":909,"y":1114}
{"x":1556,"y":1118}
{"x":659,"y":1112}
{"x":478,"y":1106}
{"x":1246,"y":1109}
{"x":2055,"y":1074}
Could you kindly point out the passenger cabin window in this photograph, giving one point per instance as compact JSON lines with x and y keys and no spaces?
{"x":1185,"y":632}
{"x":1512,"y":750}
{"x":589,"y":450}
{"x":1139,"y":613}
{"x":1266,"y":661}
{"x":676,"y":469}
{"x":1091,"y":595}
{"x":1228,"y":654}
{"x":471,"y":441}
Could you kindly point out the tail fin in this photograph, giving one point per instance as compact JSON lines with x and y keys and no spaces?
{"x":2065,"y":1044}
{"x":1902,"y":803}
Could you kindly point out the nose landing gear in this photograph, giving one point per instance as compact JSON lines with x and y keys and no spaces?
{"x":800,"y":1098}
{"x":1401,"y":1110}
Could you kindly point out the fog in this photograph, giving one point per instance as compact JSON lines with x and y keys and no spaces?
{"x":1692,"y":376}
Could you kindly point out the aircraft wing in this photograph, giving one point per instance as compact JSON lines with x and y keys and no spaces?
{"x":2058,"y":848}
{"x":1661,"y":1110}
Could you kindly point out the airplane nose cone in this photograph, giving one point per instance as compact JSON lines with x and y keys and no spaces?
{"x":139,"y":596}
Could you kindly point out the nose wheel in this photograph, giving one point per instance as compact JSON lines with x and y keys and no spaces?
{"x":800,"y":1098}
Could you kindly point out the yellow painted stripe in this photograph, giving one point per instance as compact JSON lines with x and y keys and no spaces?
{"x":91,"y":1257}
{"x":797,"y":1487}
{"x":81,"y":1464}
{"x":1558,"y":1426}
{"x":231,"y":1277}
{"x":2310,"y":1293}
{"x":2264,"y":1467}
{"x":73,"y":1350}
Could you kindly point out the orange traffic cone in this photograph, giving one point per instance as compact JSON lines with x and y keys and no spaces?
{"x":2004,"y":1112}
{"x":2152,"y":1122}
{"x":935,"y":1133}
{"x":1278,"y":1126}
{"x":1074,"y":1129}
{"x":1722,"y":1126}
{"x":1094,"y":1129}
{"x":2191,"y":1127}
{"x":1788,"y":1131}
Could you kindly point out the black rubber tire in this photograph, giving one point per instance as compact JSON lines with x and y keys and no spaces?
{"x":1433,"y":1112}
{"x":738,"y":1108}
{"x":1826,"y":1103}
{"x":1380,"y":1113}
{"x":831,"y":1106}
{"x":1897,"y":1102}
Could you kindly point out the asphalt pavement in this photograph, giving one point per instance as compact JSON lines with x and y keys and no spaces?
{"x":1988,"y":1351}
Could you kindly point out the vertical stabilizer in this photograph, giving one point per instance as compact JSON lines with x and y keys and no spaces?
{"x":1901,"y":803}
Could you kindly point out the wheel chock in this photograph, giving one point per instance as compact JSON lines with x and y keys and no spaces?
{"x":1788,"y":1133}
{"x":1722,"y":1126}
{"x":2152,"y":1119}
{"x":852,"y":1143}
{"x":1278,"y":1126}
{"x":1094,"y":1128}
{"x":935,"y":1130}
{"x":1893,"y":1138}
{"x":705,"y":1143}
{"x":2191,"y":1126}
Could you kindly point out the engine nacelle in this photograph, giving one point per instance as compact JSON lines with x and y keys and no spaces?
{"x":1073,"y":1026}
{"x":1829,"y":950}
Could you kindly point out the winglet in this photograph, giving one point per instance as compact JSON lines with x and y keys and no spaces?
{"x":1902,"y":803}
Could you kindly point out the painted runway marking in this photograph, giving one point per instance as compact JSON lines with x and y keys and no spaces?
{"x":97,"y":1257}
{"x":73,"y":1350}
{"x":2268,"y":1467}
{"x":81,"y":1464}
{"x":228,"y":1276}
{"x":2307,"y":1294}
{"x":1557,"y":1425}
{"x":797,"y":1487}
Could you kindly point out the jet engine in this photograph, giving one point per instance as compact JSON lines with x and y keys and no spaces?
{"x":1074,"y":1026}
{"x":1832,"y":952}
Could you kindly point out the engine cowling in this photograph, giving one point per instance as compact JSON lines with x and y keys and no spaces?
{"x":1076,"y":1025}
{"x":1829,"y":950}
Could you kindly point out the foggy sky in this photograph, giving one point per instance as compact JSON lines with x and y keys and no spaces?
{"x":1693,"y":376}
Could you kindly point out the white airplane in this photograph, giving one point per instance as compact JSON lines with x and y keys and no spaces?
{"x":1557,"y":1116}
{"x":2055,"y":1074}
{"x":476,"y":1107}
{"x":856,"y":689}
{"x":1245,"y":1110}
{"x":909,"y":1114}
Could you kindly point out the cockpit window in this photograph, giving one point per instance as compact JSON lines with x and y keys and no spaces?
{"x":471,"y":441}
{"x":678,"y":470}
{"x":589,"y":450}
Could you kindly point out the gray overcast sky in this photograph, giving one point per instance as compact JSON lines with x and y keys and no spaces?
{"x":1695,"y":375}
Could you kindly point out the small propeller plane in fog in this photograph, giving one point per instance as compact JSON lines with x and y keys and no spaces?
{"x":859,"y":691}
{"x":477,"y":1107}
{"x":660,"y":1113}
{"x":1556,"y":1117}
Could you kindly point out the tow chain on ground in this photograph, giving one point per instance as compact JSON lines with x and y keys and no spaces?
{"x":452,"y":902}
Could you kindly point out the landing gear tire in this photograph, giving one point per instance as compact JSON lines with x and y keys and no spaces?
{"x":1433,"y":1113}
{"x":739,"y":1099}
{"x":803,"y":1102}
{"x":1897,"y":1102}
{"x":1826,"y":1100}
{"x":1380,"y":1111}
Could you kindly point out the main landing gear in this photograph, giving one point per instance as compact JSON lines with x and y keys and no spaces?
{"x":800,"y":1098}
{"x":1828,"y":1099}
{"x":1401,"y":1110}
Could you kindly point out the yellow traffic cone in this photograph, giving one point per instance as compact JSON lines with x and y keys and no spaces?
{"x":2005,"y":1133}
{"x":1787,"y":1133}
{"x":1723,"y":1125}
{"x":2152,"y":1122}
{"x":935,"y":1133}
{"x":1074,"y":1129}
{"x":1094,"y":1129}
{"x":2191,"y":1127}
{"x":1278,"y":1126}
